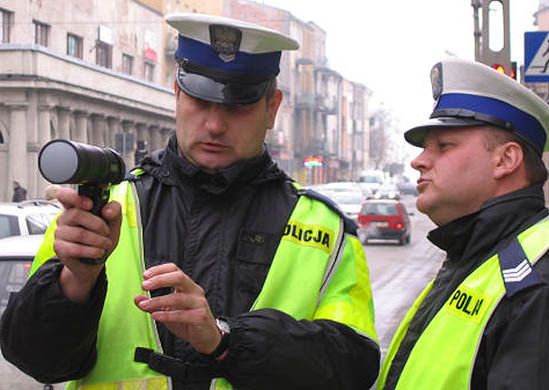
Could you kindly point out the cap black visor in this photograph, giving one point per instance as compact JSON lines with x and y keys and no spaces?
{"x":211,"y":90}
{"x":416,"y":135}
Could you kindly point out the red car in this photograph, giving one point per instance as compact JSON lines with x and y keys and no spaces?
{"x":384,"y":219}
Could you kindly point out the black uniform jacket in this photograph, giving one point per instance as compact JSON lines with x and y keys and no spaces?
{"x":222,"y":230}
{"x":514,"y":350}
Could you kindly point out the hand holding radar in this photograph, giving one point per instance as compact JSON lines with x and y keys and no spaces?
{"x":93,"y":168}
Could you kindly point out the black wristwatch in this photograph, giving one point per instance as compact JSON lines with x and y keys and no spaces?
{"x":225,"y":330}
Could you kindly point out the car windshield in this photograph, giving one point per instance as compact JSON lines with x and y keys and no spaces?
{"x":347,"y":198}
{"x":26,"y":221}
{"x":370,"y":179}
{"x":38,"y":223}
{"x":379,"y":209}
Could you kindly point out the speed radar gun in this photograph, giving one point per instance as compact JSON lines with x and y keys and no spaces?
{"x":93,"y":168}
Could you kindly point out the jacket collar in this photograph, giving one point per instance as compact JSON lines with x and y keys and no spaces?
{"x":171,"y":168}
{"x":498,"y":219}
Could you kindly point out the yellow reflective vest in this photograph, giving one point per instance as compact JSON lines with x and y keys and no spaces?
{"x":443,"y":357}
{"x":330,"y":281}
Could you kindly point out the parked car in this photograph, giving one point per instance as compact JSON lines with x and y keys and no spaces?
{"x":26,"y":218}
{"x":371,"y":180}
{"x":338,"y":186}
{"x":349,"y":202}
{"x":16,"y":255}
{"x":384,"y":219}
{"x":346,"y":194}
{"x":366,"y":189}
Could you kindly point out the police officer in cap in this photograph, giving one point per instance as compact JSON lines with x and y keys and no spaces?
{"x":211,"y":268}
{"x":483,"y":323}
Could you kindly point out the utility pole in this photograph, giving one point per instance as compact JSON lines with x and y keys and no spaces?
{"x":476,"y":32}
{"x":498,"y":58}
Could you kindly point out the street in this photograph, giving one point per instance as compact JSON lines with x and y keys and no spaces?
{"x":398,"y":274}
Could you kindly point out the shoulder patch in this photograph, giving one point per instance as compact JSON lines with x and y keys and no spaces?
{"x":517,"y":272}
{"x":349,"y":225}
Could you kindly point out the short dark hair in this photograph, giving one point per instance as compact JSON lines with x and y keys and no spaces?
{"x":536,"y":170}
{"x":271,"y":88}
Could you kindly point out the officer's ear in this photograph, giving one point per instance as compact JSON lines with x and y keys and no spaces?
{"x":508,"y":159}
{"x":176,"y":89}
{"x":273,"y":104}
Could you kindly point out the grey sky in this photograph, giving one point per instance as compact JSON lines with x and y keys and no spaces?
{"x":390,"y":46}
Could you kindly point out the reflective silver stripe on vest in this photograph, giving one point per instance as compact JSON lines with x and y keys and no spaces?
{"x":333,"y":262}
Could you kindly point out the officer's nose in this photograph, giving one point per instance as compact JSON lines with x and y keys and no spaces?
{"x":216,"y":120}
{"x":422,"y":161}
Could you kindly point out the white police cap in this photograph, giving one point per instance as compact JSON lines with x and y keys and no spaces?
{"x":226,"y":60}
{"x":469,"y":93}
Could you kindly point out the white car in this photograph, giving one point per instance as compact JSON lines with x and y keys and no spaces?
{"x":346,"y":194}
{"x":370,"y":181}
{"x":349,"y":202}
{"x":26,"y":218}
{"x":16,"y":255}
{"x":339,"y":186}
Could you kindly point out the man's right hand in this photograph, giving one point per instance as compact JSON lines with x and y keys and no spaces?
{"x":80,"y":234}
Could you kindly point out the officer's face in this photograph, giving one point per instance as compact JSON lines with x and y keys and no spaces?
{"x":214,"y":136}
{"x":456,"y":173}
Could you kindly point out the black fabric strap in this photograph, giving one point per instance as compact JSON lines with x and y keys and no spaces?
{"x":223,"y":344}
{"x":469,"y":114}
{"x":175,"y":368}
{"x":220,"y":75}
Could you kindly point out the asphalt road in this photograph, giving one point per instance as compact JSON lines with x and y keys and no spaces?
{"x":13,"y":379}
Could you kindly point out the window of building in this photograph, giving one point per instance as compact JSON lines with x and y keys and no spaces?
{"x":149,"y":71}
{"x":5,"y":25}
{"x":127,"y":64}
{"x":103,"y":54}
{"x":41,"y":33}
{"x":74,"y":45}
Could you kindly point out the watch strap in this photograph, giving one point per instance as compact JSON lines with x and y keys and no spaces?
{"x":223,"y":344}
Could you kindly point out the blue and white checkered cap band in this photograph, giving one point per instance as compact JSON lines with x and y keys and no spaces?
{"x":262,"y":65}
{"x":508,"y":116}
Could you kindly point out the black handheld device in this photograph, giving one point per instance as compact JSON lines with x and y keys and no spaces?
{"x":93,"y":168}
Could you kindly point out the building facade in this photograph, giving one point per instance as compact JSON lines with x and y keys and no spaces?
{"x":85,"y":71}
{"x":321,"y":133}
{"x":102,"y":73}
{"x":211,"y":7}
